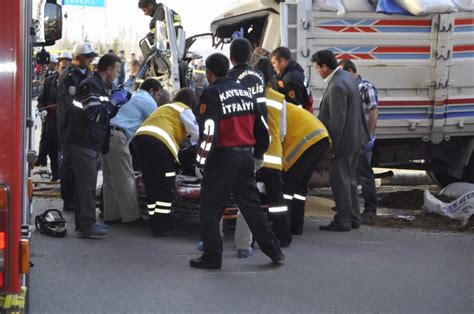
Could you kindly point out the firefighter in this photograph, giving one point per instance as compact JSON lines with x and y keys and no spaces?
{"x":47,"y":104}
{"x":291,"y":79}
{"x":88,"y":134}
{"x":233,"y":134}
{"x":306,"y":143}
{"x":252,"y":79}
{"x":271,"y":172}
{"x":159,"y":138}
{"x":68,"y":83}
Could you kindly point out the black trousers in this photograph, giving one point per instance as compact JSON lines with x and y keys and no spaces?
{"x":43,"y":146}
{"x":229,"y":171}
{"x":296,"y":181}
{"x":66,"y":174}
{"x":277,"y":207}
{"x":84,"y":165}
{"x":159,"y":175}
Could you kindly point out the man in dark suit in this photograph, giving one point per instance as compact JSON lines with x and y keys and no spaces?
{"x":342,"y":113}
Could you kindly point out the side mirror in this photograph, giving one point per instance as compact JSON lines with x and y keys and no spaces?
{"x":53,"y":23}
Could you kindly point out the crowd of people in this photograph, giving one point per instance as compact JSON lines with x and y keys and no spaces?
{"x":253,"y":122}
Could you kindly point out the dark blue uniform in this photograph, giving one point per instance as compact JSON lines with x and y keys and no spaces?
{"x":47,"y":100}
{"x":87,"y":134}
{"x":68,"y":84}
{"x":233,"y":132}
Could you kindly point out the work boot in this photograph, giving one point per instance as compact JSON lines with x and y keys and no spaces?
{"x":278,"y":258}
{"x":206,"y":262}
{"x":92,"y":232}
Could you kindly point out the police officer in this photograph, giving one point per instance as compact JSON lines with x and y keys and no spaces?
{"x":47,"y":104}
{"x":291,"y":79}
{"x":243,"y":73}
{"x":87,"y":135}
{"x":68,"y":83}
{"x":42,"y":108}
{"x":159,"y":138}
{"x":233,"y":133}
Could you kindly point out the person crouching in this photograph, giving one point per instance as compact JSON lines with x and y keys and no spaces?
{"x":156,"y":144}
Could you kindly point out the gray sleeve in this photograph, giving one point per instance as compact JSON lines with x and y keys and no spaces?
{"x":188,"y":119}
{"x":338,"y":104}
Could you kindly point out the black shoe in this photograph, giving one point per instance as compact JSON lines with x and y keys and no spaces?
{"x":369,"y":213}
{"x":355,"y":225}
{"x":278,"y":259}
{"x":204,"y":263}
{"x":334,"y":227}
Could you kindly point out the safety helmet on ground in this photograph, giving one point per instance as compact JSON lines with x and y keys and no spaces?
{"x":52,"y":223}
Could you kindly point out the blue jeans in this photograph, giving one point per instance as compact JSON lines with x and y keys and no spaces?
{"x":366,"y":178}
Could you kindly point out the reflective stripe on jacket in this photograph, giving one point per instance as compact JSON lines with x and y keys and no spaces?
{"x":302,"y":131}
{"x":164,"y":124}
{"x":275,"y":102}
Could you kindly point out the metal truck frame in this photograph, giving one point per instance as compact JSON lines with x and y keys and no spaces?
{"x":423,"y":68}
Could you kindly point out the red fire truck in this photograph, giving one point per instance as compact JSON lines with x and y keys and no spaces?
{"x":16,"y":147}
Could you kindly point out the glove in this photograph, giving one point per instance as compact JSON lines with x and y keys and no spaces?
{"x":258,"y":163}
{"x":370,"y":145}
{"x":44,"y":114}
{"x":198,"y":172}
{"x":118,"y":97}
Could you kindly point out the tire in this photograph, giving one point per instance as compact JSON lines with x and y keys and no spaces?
{"x":443,"y":178}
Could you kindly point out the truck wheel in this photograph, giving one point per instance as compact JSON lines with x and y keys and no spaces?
{"x":468,"y":173}
{"x":443,"y":178}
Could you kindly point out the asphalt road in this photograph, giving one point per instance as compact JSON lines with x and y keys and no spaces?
{"x":365,"y":271}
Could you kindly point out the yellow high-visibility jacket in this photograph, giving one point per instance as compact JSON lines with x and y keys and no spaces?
{"x":303,"y":130}
{"x":276,"y":115}
{"x":166,"y":124}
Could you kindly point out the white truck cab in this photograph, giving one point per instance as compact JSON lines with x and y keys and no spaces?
{"x":422,"y":66}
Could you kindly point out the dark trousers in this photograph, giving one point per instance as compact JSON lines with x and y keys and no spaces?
{"x":343,"y":177}
{"x":84,"y":165}
{"x":277,"y":207}
{"x":229,"y":171}
{"x":43,"y":146}
{"x":159,"y":174}
{"x":296,"y":182}
{"x":66,"y":174}
{"x":366,"y":178}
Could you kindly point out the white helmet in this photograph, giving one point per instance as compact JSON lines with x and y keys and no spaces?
{"x":53,"y":58}
{"x":65,"y":55}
